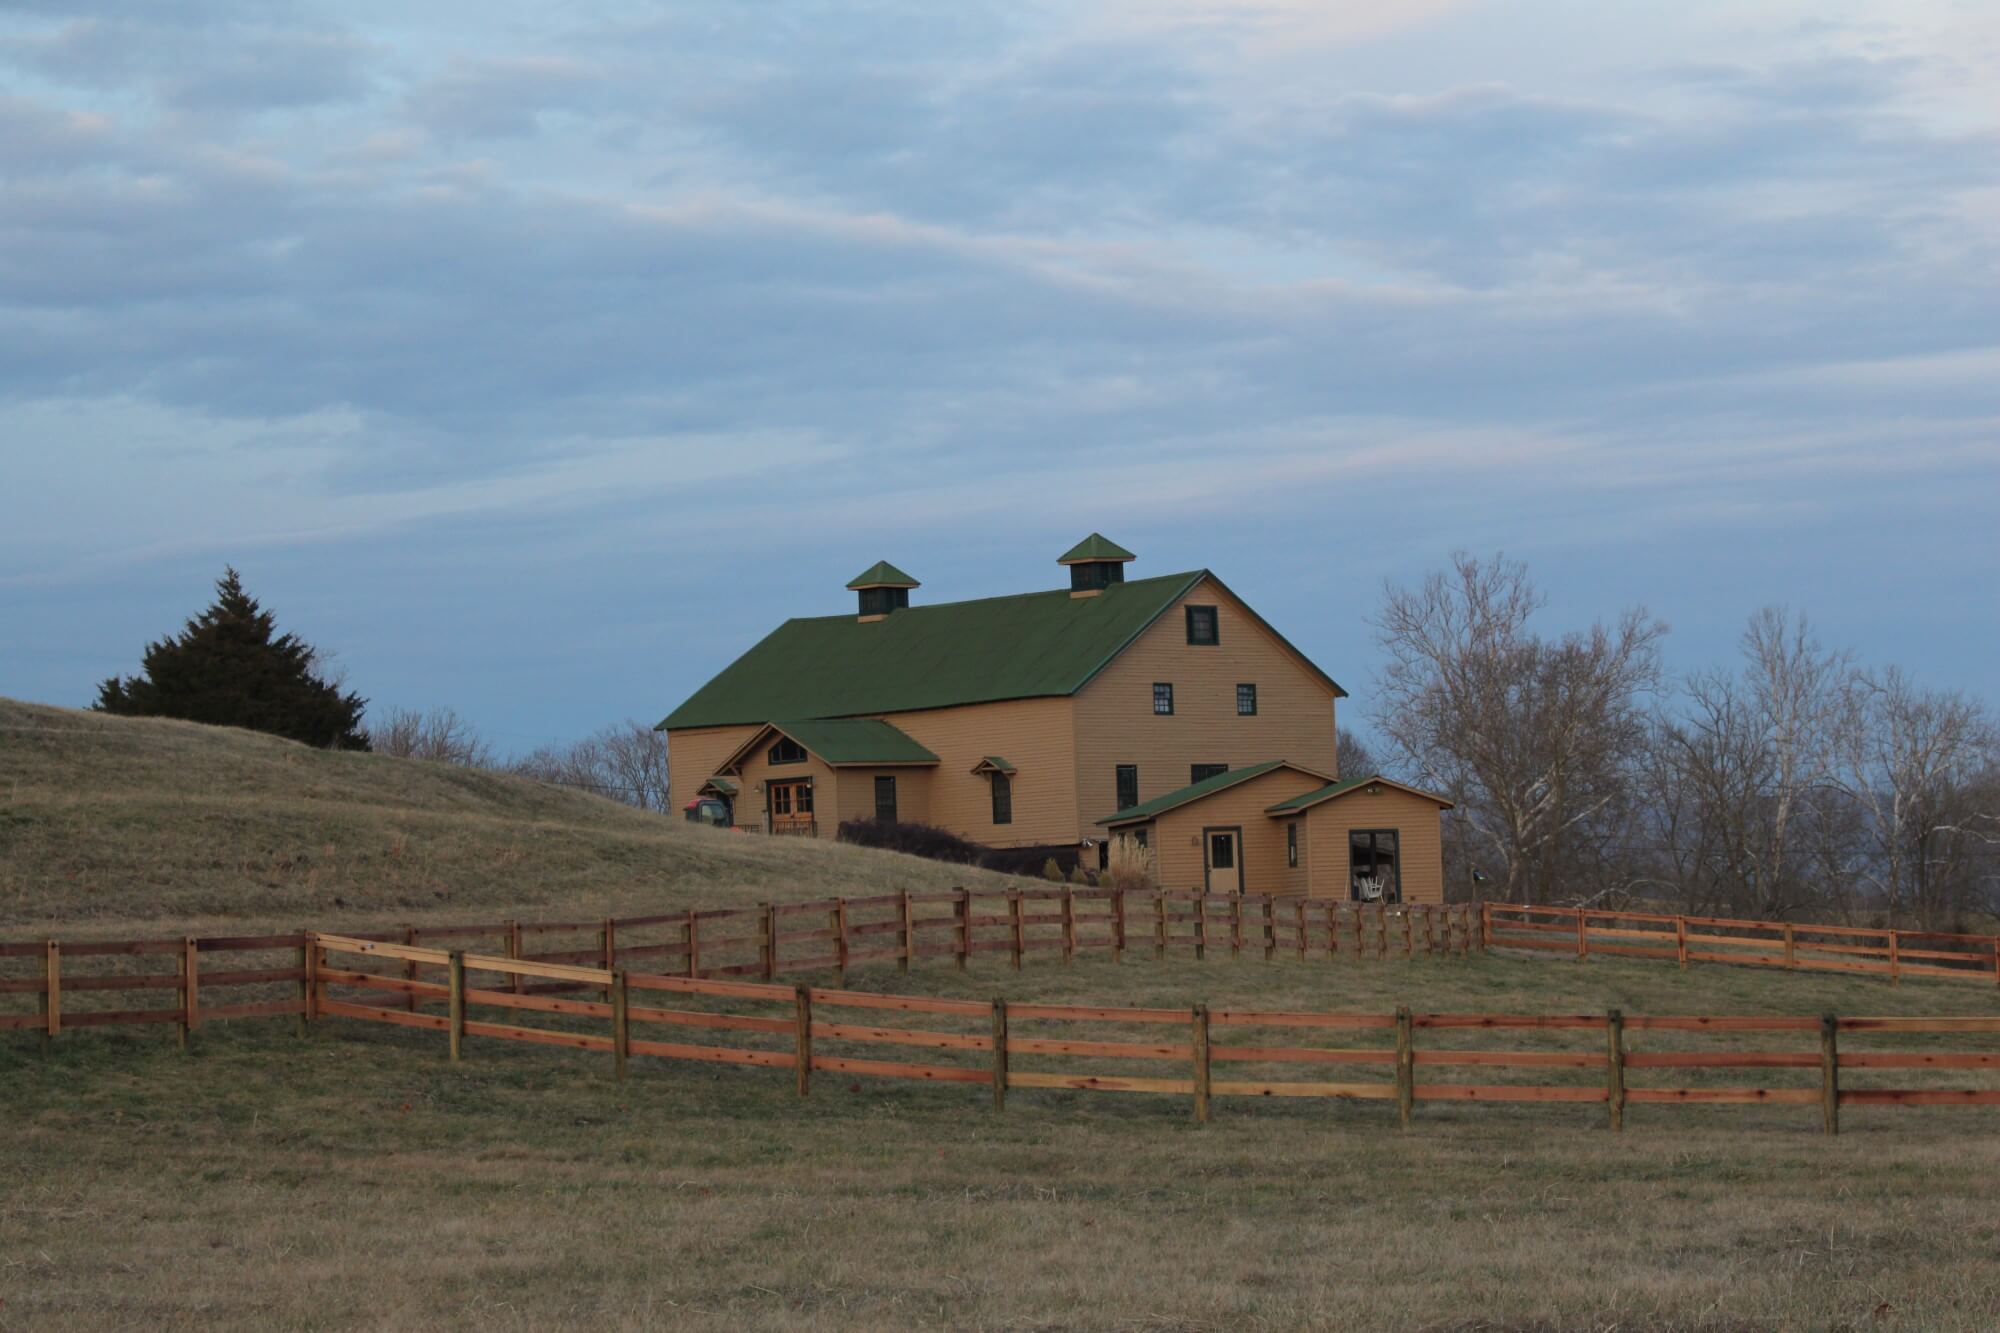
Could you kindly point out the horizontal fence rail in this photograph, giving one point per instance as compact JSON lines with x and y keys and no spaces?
{"x":1798,"y":945}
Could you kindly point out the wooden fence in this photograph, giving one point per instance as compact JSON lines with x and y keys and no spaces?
{"x":212,"y":979}
{"x":1892,"y":954}
{"x":808,"y":1030}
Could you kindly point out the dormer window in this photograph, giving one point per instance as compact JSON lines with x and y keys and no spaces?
{"x":787,"y":751}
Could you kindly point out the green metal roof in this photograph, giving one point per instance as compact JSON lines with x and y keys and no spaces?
{"x":882,"y":574}
{"x":1341,"y":788}
{"x":856,"y":740}
{"x":1206,"y":787}
{"x":1021,"y":647}
{"x":1094,"y":547}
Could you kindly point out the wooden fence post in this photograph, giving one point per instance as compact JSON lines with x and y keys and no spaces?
{"x":1829,"y":1073}
{"x":51,"y":994}
{"x":305,"y":981}
{"x":412,"y":970}
{"x":621,"y":1024}
{"x":962,"y":909}
{"x":1614,"y":1058}
{"x":1016,"y":929}
{"x":840,"y":925}
{"x":1159,"y":923}
{"x":607,"y":939}
{"x":519,"y":982}
{"x":1582,"y":936}
{"x":769,"y":944}
{"x":1895,"y":960}
{"x":1201,"y":925}
{"x":1236,"y":925}
{"x":1996,"y":960}
{"x":1409,"y":933}
{"x":456,"y":1004}
{"x":1681,"y":940}
{"x":1382,"y":931}
{"x":1068,"y":925}
{"x":1201,"y":1083}
{"x":1791,"y":953}
{"x":1360,"y":942}
{"x":315,"y":988}
{"x":1305,"y":943}
{"x":802,"y":1029}
{"x":1270,"y":926}
{"x":1485,"y":926}
{"x":693,"y":944}
{"x":1431,"y":934}
{"x":1406,"y":1065}
{"x":999,"y":1054}
{"x":190,"y":990}
{"x":909,"y":935}
{"x":1118,"y":928}
{"x":1332,"y":931}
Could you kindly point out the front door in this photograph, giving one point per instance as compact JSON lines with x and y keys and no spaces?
{"x":791,"y":807}
{"x":1224,"y":854}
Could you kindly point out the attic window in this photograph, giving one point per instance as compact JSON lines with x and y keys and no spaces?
{"x":1201,"y":626}
{"x":787,"y":751}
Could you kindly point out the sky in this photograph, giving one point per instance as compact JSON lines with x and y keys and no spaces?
{"x":535,"y":360}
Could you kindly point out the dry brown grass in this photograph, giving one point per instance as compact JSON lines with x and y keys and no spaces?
{"x":355,"y":1179}
{"x":119,"y":825}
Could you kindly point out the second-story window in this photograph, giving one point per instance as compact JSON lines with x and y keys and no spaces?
{"x":1203,"y":772}
{"x":1246,"y":701}
{"x":1201,"y":625}
{"x":1163,"y":697}
{"x":1128,"y":786}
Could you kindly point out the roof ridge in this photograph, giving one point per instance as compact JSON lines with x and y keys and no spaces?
{"x":1001,"y":597}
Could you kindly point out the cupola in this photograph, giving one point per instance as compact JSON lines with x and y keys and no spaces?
{"x":1095,"y":563}
{"x":883,"y":588}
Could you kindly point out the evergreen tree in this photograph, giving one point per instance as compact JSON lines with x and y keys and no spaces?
{"x":230,"y":668}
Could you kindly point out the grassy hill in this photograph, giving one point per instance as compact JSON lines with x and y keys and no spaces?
{"x":118,"y":823}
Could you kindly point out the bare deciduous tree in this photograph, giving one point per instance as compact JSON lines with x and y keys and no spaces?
{"x":627,"y":762}
{"x":440,"y":735}
{"x":1533,"y":737}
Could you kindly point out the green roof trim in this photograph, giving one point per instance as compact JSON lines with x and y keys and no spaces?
{"x":723,"y":785}
{"x":993,"y":763}
{"x":882,"y":574}
{"x":1331,"y":790}
{"x":1159,"y":805}
{"x":1025,"y":646}
{"x":1094,"y":547}
{"x":848,"y":741}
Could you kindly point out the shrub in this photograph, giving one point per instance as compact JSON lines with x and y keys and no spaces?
{"x":1129,"y":864}
{"x":1052,"y":870}
{"x":926,"y":840}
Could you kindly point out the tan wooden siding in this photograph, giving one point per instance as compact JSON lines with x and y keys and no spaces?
{"x":1115,"y":722}
{"x":693,"y":757}
{"x":1417,"y":824}
{"x":1297,"y":879}
{"x":857,"y":795}
{"x":1035,"y":735}
{"x":1177,"y":833}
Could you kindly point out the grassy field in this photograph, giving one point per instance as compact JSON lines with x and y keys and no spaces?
{"x":356,"y":1179}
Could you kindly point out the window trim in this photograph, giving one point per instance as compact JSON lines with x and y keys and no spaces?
{"x":1003,"y":797}
{"x":1214,"y":626}
{"x":1250,"y":697}
{"x":1292,"y":845}
{"x":1395,"y":886}
{"x":771,"y":755}
{"x":1168,"y":698}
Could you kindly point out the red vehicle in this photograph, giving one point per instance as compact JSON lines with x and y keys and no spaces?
{"x":707,"y":810}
